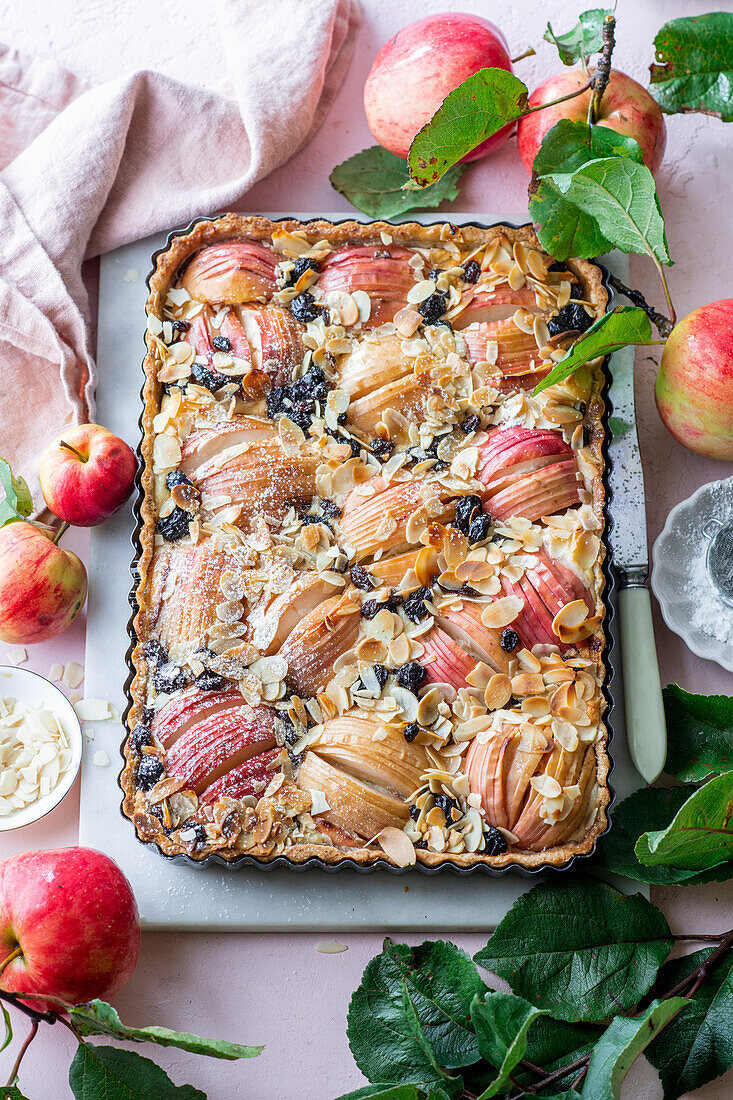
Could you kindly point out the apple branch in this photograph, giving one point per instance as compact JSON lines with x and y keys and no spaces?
{"x":28,"y":1040}
{"x":662,"y":324}
{"x":602,"y":74}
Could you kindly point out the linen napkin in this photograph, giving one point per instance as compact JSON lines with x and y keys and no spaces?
{"x":86,"y":169}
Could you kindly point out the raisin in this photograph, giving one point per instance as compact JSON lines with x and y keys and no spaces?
{"x":301,"y":265}
{"x":149,"y":771}
{"x":310,"y":519}
{"x":479,"y":528}
{"x":311,"y":380}
{"x":381,"y":673}
{"x":414,"y":810}
{"x":445,"y":803}
{"x":421,"y":844}
{"x":557,"y":266}
{"x":222,"y":343}
{"x":370,"y":608}
{"x":176,"y":477}
{"x":433,"y":308}
{"x":434,"y":273}
{"x":175,"y":525}
{"x":576,"y":290}
{"x":362,"y":578}
{"x":140,"y":736}
{"x":155,"y":653}
{"x":304,"y":308}
{"x":410,"y":732}
{"x":411,"y":676}
{"x":197,"y":829}
{"x":471,"y":272}
{"x":382,"y":448}
{"x":471,"y":424}
{"x":571,"y":318}
{"x":509,"y":640}
{"x":180,"y":326}
{"x":466,"y":590}
{"x":275,"y":401}
{"x":209,"y":681}
{"x":168,"y":678}
{"x":394,"y":600}
{"x":495,"y":842}
{"x":466,"y":509}
{"x":415,"y":608}
{"x":328,"y":508}
{"x":209,"y":378}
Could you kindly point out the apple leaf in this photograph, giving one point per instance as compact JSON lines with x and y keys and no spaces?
{"x":392,"y":1092}
{"x":651,"y":808}
{"x":564,"y":229}
{"x":17,"y":502}
{"x":584,"y":39}
{"x":615,"y":330}
{"x":11,"y":1092}
{"x":472,"y":112}
{"x":99,"y":1018}
{"x":698,"y":1044}
{"x":122,"y":1075}
{"x":699,"y":734}
{"x":374,"y":181}
{"x":501,"y":1022}
{"x":694,"y":65}
{"x":621,"y":196}
{"x":701,"y":833}
{"x":579,"y":948}
{"x":8,"y":1028}
{"x":621,"y":1044}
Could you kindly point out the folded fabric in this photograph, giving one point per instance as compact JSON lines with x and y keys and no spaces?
{"x":87,"y":169}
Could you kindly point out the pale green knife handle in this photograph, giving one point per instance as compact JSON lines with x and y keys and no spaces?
{"x":646,"y":730}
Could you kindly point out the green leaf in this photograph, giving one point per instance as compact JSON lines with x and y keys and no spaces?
{"x":699,"y":734}
{"x":615,"y":330}
{"x":502,"y":1021}
{"x":472,"y":112}
{"x":563,"y":228}
{"x":441,"y":981}
{"x":11,"y":1092}
{"x":701,"y":833}
{"x":17,"y":502}
{"x":99,"y":1018}
{"x":106,"y":1073}
{"x":421,"y":1039}
{"x":579,"y":948}
{"x":649,"y":808}
{"x":385,"y":1092}
{"x":584,"y":39}
{"x":8,"y":1028}
{"x":698,"y":1045}
{"x":694,"y":70}
{"x":373,"y":181}
{"x":621,"y":196}
{"x":622,"y":1043}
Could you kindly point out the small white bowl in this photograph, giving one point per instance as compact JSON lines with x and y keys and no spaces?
{"x":679,"y":575}
{"x":22,"y":684}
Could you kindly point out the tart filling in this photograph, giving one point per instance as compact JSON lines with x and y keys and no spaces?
{"x":369,"y":609}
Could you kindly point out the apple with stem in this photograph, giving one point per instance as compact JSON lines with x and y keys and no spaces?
{"x":86,"y":474}
{"x":694,"y":388}
{"x":414,"y":72}
{"x":42,"y":586}
{"x":625,"y":107}
{"x":69,"y":926}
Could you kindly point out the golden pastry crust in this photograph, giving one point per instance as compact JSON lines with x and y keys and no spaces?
{"x":289,"y":803}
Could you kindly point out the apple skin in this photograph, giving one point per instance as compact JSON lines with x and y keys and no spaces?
{"x":694,"y":389}
{"x":86,"y":490}
{"x":626,"y":107}
{"x":42,"y":586}
{"x":73,"y":914}
{"x":414,"y":72}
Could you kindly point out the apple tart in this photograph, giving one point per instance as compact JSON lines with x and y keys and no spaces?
{"x":369,"y":595}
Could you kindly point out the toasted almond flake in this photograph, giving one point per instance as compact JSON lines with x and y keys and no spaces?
{"x":92,"y":710}
{"x":73,"y":674}
{"x":527,"y":683}
{"x":397,"y":845}
{"x":16,"y":656}
{"x":502,"y":612}
{"x":331,"y":947}
{"x":546,"y":785}
{"x":498,"y":691}
{"x":420,"y":291}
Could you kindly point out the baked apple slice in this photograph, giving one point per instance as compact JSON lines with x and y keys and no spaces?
{"x":354,"y":806}
{"x":374,"y":362}
{"x":466,"y":628}
{"x":315,"y":643}
{"x":248,"y":778}
{"x":375,"y":514}
{"x":391,"y":764}
{"x":231,"y":273}
{"x":527,"y":472}
{"x":382,"y":273}
{"x":444,"y":661}
{"x":185,"y":591}
{"x":219,"y":742}
{"x":272,"y":623}
{"x":545,"y":589}
{"x":189,"y":708}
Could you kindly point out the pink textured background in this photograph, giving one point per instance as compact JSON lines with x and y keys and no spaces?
{"x":277,"y":989}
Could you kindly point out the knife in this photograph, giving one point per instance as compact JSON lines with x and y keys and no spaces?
{"x":646,"y":730}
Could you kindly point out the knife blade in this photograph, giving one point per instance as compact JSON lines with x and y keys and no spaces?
{"x":645,"y":724}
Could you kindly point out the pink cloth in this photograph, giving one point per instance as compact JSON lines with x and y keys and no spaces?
{"x":86,"y":169}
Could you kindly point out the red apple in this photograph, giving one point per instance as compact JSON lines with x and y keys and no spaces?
{"x":694,"y":390}
{"x":626,"y":107}
{"x":71,"y":915}
{"x":86,"y":475}
{"x":42,"y":586}
{"x":414,"y":72}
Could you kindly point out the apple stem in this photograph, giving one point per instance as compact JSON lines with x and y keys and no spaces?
{"x":16,"y":953}
{"x":29,"y":1039}
{"x":64,"y":527}
{"x":529,"y":52}
{"x":663,"y":277}
{"x":68,"y":447}
{"x":602,"y":73}
{"x":561,"y":99}
{"x":663,"y":324}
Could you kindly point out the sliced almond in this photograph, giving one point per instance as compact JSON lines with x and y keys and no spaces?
{"x":502,"y":612}
{"x":397,"y":845}
{"x":546,"y":785}
{"x":498,"y":691}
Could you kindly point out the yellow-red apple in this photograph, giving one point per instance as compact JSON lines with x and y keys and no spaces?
{"x":626,"y":107}
{"x":86,"y":474}
{"x":694,"y":390}
{"x":69,"y":925}
{"x":42,"y":586}
{"x":414,"y":72}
